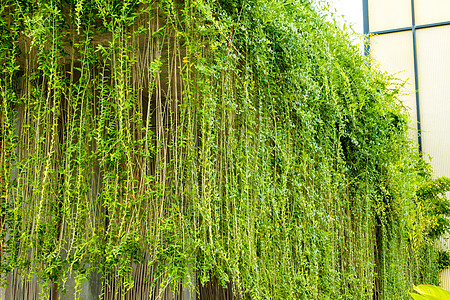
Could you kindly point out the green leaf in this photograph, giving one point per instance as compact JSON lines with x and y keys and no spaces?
{"x":418,"y":297}
{"x":432,"y":292}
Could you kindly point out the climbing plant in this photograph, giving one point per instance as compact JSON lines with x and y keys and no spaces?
{"x":247,"y":142}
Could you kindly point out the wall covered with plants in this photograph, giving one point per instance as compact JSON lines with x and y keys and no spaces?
{"x":245,"y":142}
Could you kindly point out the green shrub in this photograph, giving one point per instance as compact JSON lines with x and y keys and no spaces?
{"x":243,"y":140}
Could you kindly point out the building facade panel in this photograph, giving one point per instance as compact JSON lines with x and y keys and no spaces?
{"x":433,"y":46}
{"x":393,"y":53}
{"x":387,"y":14}
{"x":431,"y":11}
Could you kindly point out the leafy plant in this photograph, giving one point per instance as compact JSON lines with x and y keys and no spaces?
{"x":443,"y":259}
{"x":245,"y":142}
{"x":429,"y":292}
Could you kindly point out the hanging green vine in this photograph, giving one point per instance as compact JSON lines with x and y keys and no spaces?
{"x":241,"y":141}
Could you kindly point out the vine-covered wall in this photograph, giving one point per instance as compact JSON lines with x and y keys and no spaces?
{"x":165,"y":144}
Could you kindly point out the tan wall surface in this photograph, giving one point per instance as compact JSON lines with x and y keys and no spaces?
{"x":433,"y":48}
{"x":431,"y":11}
{"x":389,"y":14}
{"x":394,"y":54}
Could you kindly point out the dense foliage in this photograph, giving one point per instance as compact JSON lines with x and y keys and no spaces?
{"x":246,"y":141}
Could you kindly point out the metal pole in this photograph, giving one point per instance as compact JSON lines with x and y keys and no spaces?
{"x":366,"y":27}
{"x":416,"y":78}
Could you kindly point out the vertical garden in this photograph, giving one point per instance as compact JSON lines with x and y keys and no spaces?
{"x":169,"y":145}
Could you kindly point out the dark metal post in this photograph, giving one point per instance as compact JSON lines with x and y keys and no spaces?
{"x":416,"y":78}
{"x":366,"y":27}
